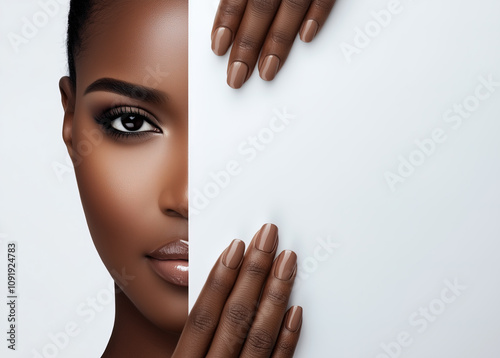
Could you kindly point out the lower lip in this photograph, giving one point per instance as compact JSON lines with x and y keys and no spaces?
{"x":173,"y":271}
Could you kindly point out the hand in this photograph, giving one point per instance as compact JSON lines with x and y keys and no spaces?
{"x":229,"y":320}
{"x":267,"y":25}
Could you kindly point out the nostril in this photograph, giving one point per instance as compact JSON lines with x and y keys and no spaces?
{"x":173,"y":213}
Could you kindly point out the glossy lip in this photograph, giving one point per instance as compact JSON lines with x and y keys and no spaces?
{"x":174,"y":250}
{"x":170,"y":262}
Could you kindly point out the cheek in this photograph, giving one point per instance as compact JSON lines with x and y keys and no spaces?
{"x":120,"y":199}
{"x":120,"y":188}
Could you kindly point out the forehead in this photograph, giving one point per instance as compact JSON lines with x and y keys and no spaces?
{"x":138,"y":41}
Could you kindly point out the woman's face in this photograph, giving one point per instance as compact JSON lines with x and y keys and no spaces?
{"x":126,"y":130}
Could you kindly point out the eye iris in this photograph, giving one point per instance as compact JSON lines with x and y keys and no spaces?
{"x":132,"y":122}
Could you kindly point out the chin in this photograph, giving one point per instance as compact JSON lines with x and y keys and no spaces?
{"x":169,"y":314}
{"x":163,"y":304}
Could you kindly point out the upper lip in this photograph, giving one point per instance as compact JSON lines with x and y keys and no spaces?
{"x":174,"y":250}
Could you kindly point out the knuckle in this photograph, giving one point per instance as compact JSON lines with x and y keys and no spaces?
{"x":282,"y":37}
{"x":203,"y":322}
{"x":260,"y":342}
{"x":239,"y":314}
{"x":230,"y":9}
{"x":299,"y":5}
{"x":219,"y":285}
{"x":323,"y":5}
{"x":286,"y":348}
{"x":256,"y":269}
{"x":247,"y":43}
{"x":265,"y":6}
{"x":277,"y":297}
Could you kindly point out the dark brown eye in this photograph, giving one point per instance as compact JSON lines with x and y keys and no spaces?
{"x":127,"y":122}
{"x":132,"y":122}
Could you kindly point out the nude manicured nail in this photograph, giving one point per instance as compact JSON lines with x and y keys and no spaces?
{"x":221,"y":39}
{"x":294,"y":318}
{"x":237,"y":74}
{"x":269,"y":67}
{"x":233,"y":254}
{"x":267,"y":238}
{"x":287,"y":261}
{"x":308,"y":30}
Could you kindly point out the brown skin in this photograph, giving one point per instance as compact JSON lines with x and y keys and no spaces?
{"x":229,"y":321}
{"x":265,"y":27}
{"x":134,"y":192}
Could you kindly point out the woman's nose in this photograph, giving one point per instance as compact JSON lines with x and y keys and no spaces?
{"x":175,"y":203}
{"x":173,"y":200}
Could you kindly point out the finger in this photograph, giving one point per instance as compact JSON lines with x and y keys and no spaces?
{"x":289,"y":334}
{"x":272,"y":307}
{"x":248,"y":42}
{"x":202,"y":321}
{"x":226,"y":24}
{"x":239,"y":310}
{"x":315,"y":18}
{"x":281,"y":35}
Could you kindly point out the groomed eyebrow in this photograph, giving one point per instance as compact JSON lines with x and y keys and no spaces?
{"x":131,"y":90}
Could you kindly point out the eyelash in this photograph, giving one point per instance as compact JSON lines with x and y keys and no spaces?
{"x":106,"y":118}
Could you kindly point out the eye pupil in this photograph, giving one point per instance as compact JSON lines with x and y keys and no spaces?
{"x":132,"y":122}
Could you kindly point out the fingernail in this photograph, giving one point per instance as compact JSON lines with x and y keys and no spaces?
{"x":308,"y":30}
{"x":237,"y":74}
{"x":294,"y":318}
{"x":233,"y":254}
{"x":267,"y":238}
{"x":221,"y":39}
{"x":287,"y":261}
{"x":269,"y":67}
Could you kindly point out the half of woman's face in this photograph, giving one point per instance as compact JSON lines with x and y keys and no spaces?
{"x":128,"y":140}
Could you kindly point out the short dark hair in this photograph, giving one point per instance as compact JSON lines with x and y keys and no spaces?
{"x":80,"y":14}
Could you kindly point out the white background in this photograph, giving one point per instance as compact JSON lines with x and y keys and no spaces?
{"x":321,"y":178}
{"x":40,"y":208}
{"x":324,"y":176}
